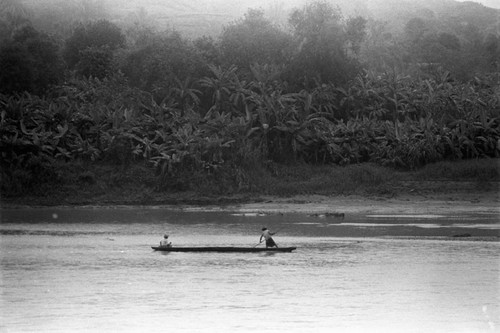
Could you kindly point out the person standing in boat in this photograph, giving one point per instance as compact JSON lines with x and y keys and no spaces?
{"x":164,"y":242}
{"x":266,"y":234}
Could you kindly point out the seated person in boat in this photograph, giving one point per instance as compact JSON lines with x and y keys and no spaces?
{"x":164,"y":242}
{"x":266,"y":234}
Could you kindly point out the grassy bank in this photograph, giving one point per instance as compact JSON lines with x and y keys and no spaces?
{"x":104,"y":184}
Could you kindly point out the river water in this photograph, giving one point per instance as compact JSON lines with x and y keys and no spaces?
{"x":93,"y":270}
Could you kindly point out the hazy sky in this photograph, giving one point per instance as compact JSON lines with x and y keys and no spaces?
{"x":488,"y":3}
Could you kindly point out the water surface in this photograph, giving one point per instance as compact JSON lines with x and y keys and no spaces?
{"x":92,"y":270}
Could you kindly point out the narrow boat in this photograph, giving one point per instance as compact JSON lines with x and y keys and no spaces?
{"x":222,"y":249}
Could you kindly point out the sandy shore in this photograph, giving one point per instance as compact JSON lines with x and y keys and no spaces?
{"x":452,"y":202}
{"x":476,"y":203}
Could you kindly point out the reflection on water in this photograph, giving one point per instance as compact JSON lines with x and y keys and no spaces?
{"x":92,"y":270}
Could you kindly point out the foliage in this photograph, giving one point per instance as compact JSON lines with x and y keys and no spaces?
{"x":98,"y":35}
{"x":30,"y":62}
{"x":107,"y":120}
{"x":155,"y":66}
{"x":13,"y":15}
{"x":65,"y":15}
{"x":95,"y":62}
{"x":254,"y":40}
{"x":218,"y":115}
{"x":463,"y":50}
{"x":325,"y":45}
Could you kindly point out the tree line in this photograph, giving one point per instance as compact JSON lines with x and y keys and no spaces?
{"x":328,"y":90}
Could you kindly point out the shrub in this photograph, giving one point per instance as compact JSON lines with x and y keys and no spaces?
{"x":156,"y":66}
{"x":94,"y":36}
{"x":326,"y":45}
{"x":254,"y":40}
{"x":29,"y":62}
{"x":95,"y":62}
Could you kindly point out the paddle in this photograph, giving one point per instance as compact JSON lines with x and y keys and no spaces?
{"x":274,"y":233}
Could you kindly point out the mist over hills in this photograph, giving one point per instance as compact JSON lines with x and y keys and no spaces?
{"x":208,"y":17}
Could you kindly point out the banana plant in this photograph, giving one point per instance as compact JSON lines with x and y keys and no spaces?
{"x":223,"y":85}
{"x":184,"y":94}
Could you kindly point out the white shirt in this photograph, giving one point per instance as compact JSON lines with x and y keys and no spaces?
{"x":165,"y":242}
{"x":266,"y":234}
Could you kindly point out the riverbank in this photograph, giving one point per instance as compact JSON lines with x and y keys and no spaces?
{"x":415,"y":198}
{"x":407,"y":205}
{"x":442,"y":188}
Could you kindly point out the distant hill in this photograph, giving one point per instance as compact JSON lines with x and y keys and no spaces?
{"x":398,"y":12}
{"x":194,"y":18}
{"x":490,"y":3}
{"x":198,"y":17}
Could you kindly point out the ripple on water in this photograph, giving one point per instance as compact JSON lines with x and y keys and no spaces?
{"x":72,"y":277}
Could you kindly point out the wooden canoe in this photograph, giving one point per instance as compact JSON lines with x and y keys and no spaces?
{"x":223,"y":249}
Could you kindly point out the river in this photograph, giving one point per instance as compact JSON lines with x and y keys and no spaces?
{"x":93,"y":270}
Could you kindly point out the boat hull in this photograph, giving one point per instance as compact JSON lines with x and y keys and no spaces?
{"x":223,"y":249}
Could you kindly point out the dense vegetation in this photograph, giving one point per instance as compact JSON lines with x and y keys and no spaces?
{"x":222,"y":113}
